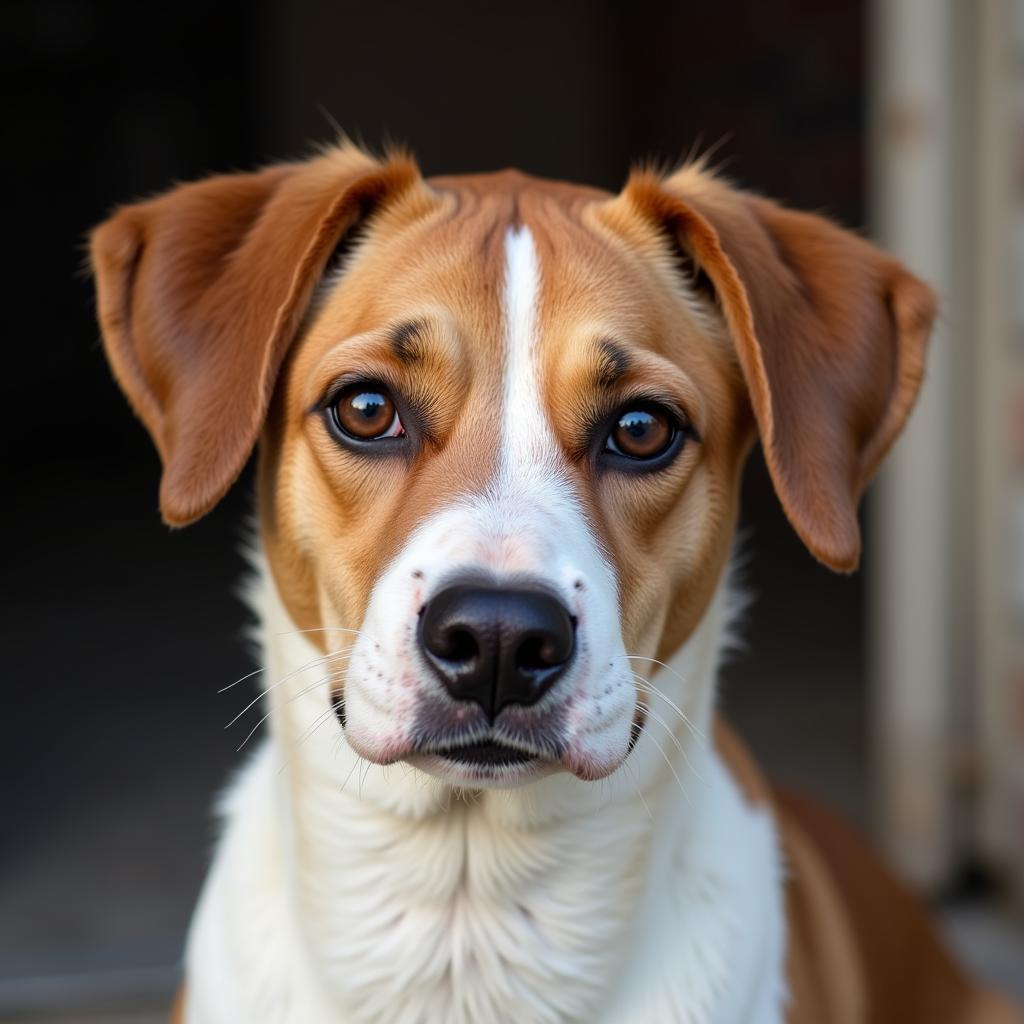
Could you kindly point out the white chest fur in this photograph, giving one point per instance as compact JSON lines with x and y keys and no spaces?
{"x":343,"y":892}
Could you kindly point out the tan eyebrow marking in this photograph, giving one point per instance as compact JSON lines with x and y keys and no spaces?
{"x":407,"y":341}
{"x":613,"y":364}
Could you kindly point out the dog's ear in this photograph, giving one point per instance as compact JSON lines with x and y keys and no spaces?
{"x":201,"y":291}
{"x":830,"y":334}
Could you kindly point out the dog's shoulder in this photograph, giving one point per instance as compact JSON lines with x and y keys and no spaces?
{"x":824,"y":974}
{"x":908,"y":974}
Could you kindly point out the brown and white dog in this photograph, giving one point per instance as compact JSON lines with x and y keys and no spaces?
{"x":501,"y":425}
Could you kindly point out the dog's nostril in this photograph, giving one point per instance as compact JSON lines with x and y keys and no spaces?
{"x":534,"y":653}
{"x":458,"y":645}
{"x":537,"y":653}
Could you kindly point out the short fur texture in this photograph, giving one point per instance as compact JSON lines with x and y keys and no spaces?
{"x":637,"y":868}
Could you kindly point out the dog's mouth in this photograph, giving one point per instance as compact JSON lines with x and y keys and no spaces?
{"x":486,"y":753}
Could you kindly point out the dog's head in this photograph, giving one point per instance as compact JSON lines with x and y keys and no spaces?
{"x":503,"y":422}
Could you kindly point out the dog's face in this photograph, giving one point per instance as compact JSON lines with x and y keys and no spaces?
{"x":502,"y":435}
{"x":505,"y":447}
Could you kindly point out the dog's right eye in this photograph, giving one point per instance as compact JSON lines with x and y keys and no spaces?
{"x":365,"y":412}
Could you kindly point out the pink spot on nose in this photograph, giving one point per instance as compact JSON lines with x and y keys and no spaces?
{"x":509,"y":553}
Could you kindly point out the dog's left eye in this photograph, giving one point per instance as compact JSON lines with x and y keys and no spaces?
{"x":366,"y":412}
{"x":643,"y":432}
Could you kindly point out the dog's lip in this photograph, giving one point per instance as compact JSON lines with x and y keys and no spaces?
{"x":486,"y":753}
{"x":487,"y":757}
{"x":636,"y":726}
{"x":484,"y":773}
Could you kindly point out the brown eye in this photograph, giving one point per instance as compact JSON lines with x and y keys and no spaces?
{"x":366,"y":412}
{"x":643,"y":432}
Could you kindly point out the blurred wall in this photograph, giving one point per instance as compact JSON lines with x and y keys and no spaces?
{"x":947,"y":581}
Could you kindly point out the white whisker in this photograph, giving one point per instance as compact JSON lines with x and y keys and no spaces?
{"x":329,"y":629}
{"x":248,"y":675}
{"x":654,"y":689}
{"x":355,"y":764}
{"x":645,"y":686}
{"x":330,"y":677}
{"x":636,"y":785}
{"x":316,"y":723}
{"x":301,"y":668}
{"x":652,"y":714}
{"x":333,"y":709}
{"x":667,"y":760}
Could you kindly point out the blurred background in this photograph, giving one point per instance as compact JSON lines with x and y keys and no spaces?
{"x":897,"y":694}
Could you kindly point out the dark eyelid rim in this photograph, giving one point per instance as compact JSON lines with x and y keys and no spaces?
{"x":602,"y":420}
{"x":415,"y":434}
{"x":601,"y":424}
{"x":348,"y":379}
{"x":671,"y":404}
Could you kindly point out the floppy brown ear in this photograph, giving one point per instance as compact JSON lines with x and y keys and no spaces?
{"x":201,"y":292}
{"x":830,"y":334}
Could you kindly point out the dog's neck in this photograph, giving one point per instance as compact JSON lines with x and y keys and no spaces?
{"x":412,"y":901}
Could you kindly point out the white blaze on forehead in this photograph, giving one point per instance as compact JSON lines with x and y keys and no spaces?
{"x":527,"y":524}
{"x":527,"y":437}
{"x":531,"y":501}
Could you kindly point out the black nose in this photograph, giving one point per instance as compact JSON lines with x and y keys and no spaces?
{"x":497,"y":646}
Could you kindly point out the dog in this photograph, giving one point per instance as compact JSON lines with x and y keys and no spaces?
{"x":502,"y":423}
